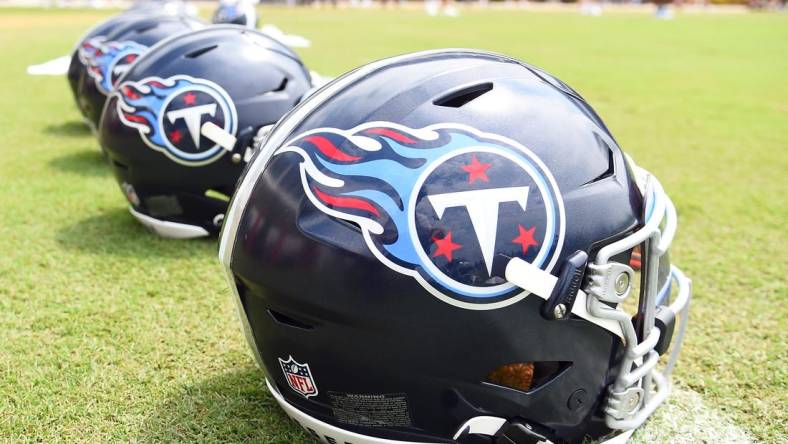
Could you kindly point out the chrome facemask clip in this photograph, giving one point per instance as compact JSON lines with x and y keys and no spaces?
{"x":612,"y":282}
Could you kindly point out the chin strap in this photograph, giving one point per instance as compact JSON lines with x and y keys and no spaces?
{"x":218,"y":135}
{"x":495,"y":430}
{"x":224,"y":139}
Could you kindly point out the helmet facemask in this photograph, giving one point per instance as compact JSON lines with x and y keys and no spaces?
{"x":639,"y":386}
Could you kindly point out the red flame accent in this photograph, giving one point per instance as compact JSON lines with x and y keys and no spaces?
{"x":130,"y":93}
{"x":329,"y":149}
{"x":346,"y":202}
{"x":136,"y":119}
{"x":391,"y":134}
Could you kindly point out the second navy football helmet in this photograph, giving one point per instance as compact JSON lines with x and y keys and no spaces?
{"x":182,"y":123}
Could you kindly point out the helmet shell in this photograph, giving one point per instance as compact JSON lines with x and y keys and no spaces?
{"x":320,"y":282}
{"x":236,"y":78}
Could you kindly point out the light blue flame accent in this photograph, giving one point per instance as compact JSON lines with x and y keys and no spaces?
{"x":151,"y":106}
{"x":114,"y":52}
{"x":650,"y":203}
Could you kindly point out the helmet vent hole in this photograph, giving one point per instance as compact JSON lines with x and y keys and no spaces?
{"x":289,"y":321}
{"x":144,"y":29}
{"x":282,"y":85}
{"x":198,"y":52}
{"x":610,"y":170}
{"x":459,"y":98}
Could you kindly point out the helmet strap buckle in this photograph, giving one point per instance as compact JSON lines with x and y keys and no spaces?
{"x":570,"y":277}
{"x":518,"y":432}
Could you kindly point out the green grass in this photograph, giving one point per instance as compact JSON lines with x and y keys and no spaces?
{"x":108,"y":333}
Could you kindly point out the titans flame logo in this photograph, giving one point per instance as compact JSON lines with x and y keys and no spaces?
{"x":169,"y":115}
{"x":446,"y":204}
{"x":107,"y":61}
{"x":88,"y":48}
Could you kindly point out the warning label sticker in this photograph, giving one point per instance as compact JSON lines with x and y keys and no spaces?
{"x":384,"y":410}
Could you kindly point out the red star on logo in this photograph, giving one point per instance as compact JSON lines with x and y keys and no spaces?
{"x":175,"y":136}
{"x":477,"y":170}
{"x":526,"y":238}
{"x":445,"y":247}
{"x":190,"y":99}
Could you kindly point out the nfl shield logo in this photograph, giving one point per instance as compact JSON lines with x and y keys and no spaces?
{"x":298,"y":377}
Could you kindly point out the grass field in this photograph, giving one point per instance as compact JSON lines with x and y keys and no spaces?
{"x":109,"y":334}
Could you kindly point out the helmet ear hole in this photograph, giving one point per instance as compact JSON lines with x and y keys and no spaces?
{"x":527,"y":376}
{"x":518,"y":376}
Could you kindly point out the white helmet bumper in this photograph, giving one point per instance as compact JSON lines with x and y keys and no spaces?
{"x":172,"y":230}
{"x":329,"y":434}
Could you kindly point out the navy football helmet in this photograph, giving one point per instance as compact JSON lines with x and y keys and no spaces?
{"x":86,"y":45}
{"x":236,"y":12}
{"x":107,"y":57}
{"x":180,"y":126}
{"x":436,"y":248}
